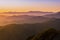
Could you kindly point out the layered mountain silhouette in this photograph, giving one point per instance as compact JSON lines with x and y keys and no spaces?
{"x":56,"y":15}
{"x":28,"y":19}
{"x":28,"y":31}
{"x":28,"y":27}
{"x":22,"y":19}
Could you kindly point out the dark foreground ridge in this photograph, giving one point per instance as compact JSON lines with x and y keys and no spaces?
{"x":50,"y":34}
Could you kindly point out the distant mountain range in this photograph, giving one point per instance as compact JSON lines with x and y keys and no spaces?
{"x":29,"y":12}
{"x":38,"y":12}
{"x":56,"y":15}
{"x":34,"y":13}
{"x":27,"y":19}
{"x":30,"y":18}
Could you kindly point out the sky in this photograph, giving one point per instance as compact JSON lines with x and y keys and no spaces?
{"x":29,"y":5}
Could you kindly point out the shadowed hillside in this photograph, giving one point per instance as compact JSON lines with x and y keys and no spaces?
{"x":20,"y":31}
{"x":50,"y":34}
{"x":24,"y":31}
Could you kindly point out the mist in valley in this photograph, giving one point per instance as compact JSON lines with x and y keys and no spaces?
{"x":28,"y":26}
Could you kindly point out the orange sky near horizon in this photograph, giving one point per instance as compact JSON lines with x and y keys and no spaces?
{"x":26,"y":9}
{"x":29,"y":5}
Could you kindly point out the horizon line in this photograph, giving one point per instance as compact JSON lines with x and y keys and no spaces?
{"x":30,"y":11}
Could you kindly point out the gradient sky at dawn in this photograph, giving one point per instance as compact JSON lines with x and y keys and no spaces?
{"x":29,"y":5}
